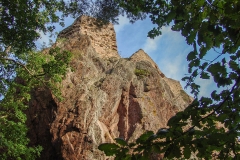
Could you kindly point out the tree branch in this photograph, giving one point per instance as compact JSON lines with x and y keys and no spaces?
{"x":18,"y":63}
{"x":226,"y":99}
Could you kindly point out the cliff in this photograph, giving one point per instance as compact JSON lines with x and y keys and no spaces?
{"x":105,"y":96}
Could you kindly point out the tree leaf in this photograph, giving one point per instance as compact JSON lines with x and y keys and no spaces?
{"x":191,"y":56}
{"x":173,"y":120}
{"x":121,"y":141}
{"x":203,"y":52}
{"x":162,"y":131}
{"x":187,"y":152}
{"x":144,"y":136}
{"x":109,"y":149}
{"x":204,"y":75}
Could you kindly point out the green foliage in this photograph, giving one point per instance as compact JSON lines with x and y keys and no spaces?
{"x":110,"y":149}
{"x":209,"y":127}
{"x":21,"y":22}
{"x":141,"y":72}
{"x":122,"y":149}
{"x":41,"y":70}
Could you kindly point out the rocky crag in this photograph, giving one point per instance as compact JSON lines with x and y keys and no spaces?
{"x":105,"y":96}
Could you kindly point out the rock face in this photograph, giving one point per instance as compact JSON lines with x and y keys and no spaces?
{"x":105,"y":97}
{"x":102,"y":39}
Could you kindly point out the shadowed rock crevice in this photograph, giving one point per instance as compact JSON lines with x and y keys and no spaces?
{"x":129,"y":112}
{"x":134,"y":112}
{"x":41,"y":113}
{"x":122,"y":112}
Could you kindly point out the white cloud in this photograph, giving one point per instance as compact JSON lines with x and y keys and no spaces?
{"x":123,"y":22}
{"x":151,"y":44}
{"x":44,"y":38}
{"x":166,"y":30}
{"x":168,"y":35}
{"x":206,"y":86}
{"x":173,"y":66}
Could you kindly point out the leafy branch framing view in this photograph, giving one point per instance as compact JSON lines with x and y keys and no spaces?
{"x":208,"y":128}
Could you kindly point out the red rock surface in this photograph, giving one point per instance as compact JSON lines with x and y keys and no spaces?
{"x":105,"y":97}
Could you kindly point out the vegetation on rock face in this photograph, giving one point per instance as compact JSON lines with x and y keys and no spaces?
{"x":141,"y":72}
{"x":21,"y":23}
{"x":206,"y":25}
{"x":42,"y":70}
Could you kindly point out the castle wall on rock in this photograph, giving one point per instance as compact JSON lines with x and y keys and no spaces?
{"x":102,"y":38}
{"x":103,"y":97}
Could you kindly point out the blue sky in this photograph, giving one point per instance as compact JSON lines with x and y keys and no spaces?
{"x":168,"y":50}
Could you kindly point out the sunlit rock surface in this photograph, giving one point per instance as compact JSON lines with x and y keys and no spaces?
{"x":105,"y":96}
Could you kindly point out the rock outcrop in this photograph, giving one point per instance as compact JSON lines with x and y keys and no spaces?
{"x":105,"y":97}
{"x":102,"y":38}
